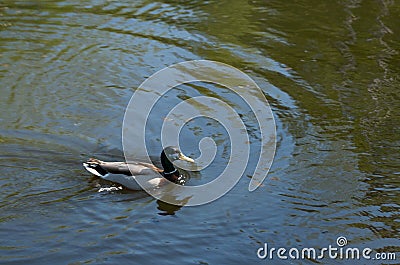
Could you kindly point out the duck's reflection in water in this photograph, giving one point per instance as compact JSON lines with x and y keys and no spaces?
{"x":171,"y":209}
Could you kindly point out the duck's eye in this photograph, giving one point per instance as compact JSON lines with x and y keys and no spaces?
{"x":175,"y":156}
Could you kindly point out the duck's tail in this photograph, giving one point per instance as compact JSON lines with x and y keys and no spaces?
{"x":94,"y":166}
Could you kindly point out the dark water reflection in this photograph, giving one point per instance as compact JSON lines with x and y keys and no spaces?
{"x":330,"y":71}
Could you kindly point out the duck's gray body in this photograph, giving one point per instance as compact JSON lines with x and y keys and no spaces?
{"x":127,"y":174}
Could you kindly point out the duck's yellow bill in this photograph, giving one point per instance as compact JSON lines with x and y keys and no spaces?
{"x":185,"y":158}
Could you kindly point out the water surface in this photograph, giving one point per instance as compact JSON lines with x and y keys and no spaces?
{"x":330,"y":71}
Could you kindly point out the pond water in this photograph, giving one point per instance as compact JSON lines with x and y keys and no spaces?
{"x":329,"y":69}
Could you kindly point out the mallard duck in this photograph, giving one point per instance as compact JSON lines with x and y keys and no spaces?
{"x":127,"y":173}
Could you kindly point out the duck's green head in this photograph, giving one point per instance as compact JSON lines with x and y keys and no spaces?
{"x":171,"y":154}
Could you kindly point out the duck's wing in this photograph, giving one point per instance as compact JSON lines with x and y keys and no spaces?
{"x":101,"y":168}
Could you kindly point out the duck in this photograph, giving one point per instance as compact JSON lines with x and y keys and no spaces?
{"x":126,"y":173}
